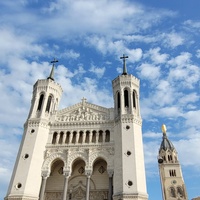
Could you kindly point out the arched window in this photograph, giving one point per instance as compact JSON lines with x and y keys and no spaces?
{"x":87,"y":137}
{"x":118,"y":100}
{"x":68,"y":137}
{"x":54,"y":138}
{"x":126,"y":98}
{"x":74,"y":137}
{"x":172,"y":192}
{"x":94,"y":136}
{"x":80,"y":140}
{"x":134,"y":99}
{"x":107,"y":139}
{"x":100,"y":136}
{"x":48,"y":103}
{"x":61,"y":138}
{"x":179,"y":192}
{"x":40,"y":102}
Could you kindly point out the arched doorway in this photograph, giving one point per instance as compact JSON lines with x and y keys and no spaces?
{"x":77,"y":181}
{"x":100,"y":179}
{"x":55,"y":182}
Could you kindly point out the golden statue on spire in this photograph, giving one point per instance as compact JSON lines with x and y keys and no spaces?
{"x":164,"y":129}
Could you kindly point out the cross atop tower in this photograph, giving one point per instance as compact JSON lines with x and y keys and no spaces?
{"x":51,"y":76}
{"x":83,"y":100}
{"x":54,"y":61}
{"x":124,"y":64}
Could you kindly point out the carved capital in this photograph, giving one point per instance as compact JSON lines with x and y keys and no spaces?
{"x":110,"y":172}
{"x":66,"y":173}
{"x":45,"y":174}
{"x":88,"y":172}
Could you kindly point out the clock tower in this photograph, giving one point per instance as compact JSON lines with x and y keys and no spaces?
{"x":172,"y":183}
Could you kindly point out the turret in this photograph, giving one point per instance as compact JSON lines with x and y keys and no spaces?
{"x":46,"y":97}
{"x":129,"y":172}
{"x":26,"y":177}
{"x":171,"y":177}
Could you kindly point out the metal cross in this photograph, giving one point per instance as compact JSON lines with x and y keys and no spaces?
{"x":54,"y":61}
{"x":124,"y":64}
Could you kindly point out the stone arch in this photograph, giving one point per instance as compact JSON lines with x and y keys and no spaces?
{"x":100,"y":155}
{"x":51,"y":159}
{"x":118,"y":99}
{"x":41,"y":101}
{"x":77,"y":155}
{"x":49,"y":103}
{"x":134,"y":99}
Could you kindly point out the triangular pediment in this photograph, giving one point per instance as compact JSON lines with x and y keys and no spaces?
{"x":84,"y":111}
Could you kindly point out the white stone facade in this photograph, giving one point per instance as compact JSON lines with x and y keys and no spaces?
{"x":81,"y":152}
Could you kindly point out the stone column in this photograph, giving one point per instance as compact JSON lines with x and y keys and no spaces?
{"x":57,"y":138}
{"x":67,"y":175}
{"x":88,"y":174}
{"x":110,"y":193}
{"x":90,"y":137}
{"x":84,"y":135}
{"x":70,"y":137}
{"x":64,"y":138}
{"x":43,"y":186}
{"x":103,"y":136}
{"x":77,"y":136}
{"x":97,"y":136}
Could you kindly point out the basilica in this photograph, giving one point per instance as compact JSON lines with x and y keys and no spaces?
{"x":86,"y":151}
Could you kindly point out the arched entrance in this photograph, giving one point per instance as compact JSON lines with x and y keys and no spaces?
{"x":55,"y":182}
{"x":100,"y":179}
{"x":77,"y":181}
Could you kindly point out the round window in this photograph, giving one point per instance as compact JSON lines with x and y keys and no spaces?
{"x":130,"y":183}
{"x":19,"y":185}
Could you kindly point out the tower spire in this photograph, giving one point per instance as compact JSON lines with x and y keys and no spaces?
{"x":51,"y":75}
{"x":172,"y":183}
{"x":124,"y":64}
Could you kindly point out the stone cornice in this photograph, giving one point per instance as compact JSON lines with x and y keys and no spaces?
{"x":80,"y":123}
{"x":129,"y":119}
{"x":37,"y":122}
{"x":81,"y":146}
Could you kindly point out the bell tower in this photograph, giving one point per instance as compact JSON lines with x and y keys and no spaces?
{"x":172,"y":183}
{"x":26,"y":178}
{"x":129,"y":171}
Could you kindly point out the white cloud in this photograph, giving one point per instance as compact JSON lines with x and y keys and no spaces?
{"x":99,"y":72}
{"x":134,"y":54}
{"x":188,"y":151}
{"x":140,"y":38}
{"x":71,"y":54}
{"x":198,"y":53}
{"x":181,"y":60}
{"x":149,"y":72}
{"x":188,"y":98}
{"x":173,"y":39}
{"x":192,"y":24}
{"x":156,"y":56}
{"x":14,"y":44}
{"x":192,"y":118}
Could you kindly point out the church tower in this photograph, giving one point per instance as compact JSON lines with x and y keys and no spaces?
{"x":129,"y":171}
{"x":26,"y":177}
{"x":172,"y":183}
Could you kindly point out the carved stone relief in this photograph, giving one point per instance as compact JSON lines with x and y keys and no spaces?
{"x":83,"y":114}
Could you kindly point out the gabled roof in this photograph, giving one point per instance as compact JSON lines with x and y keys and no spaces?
{"x":84,"y":111}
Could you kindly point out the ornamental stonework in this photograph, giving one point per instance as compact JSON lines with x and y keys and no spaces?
{"x":82,"y":114}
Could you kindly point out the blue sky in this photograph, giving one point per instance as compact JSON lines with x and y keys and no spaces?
{"x":162,"y":41}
